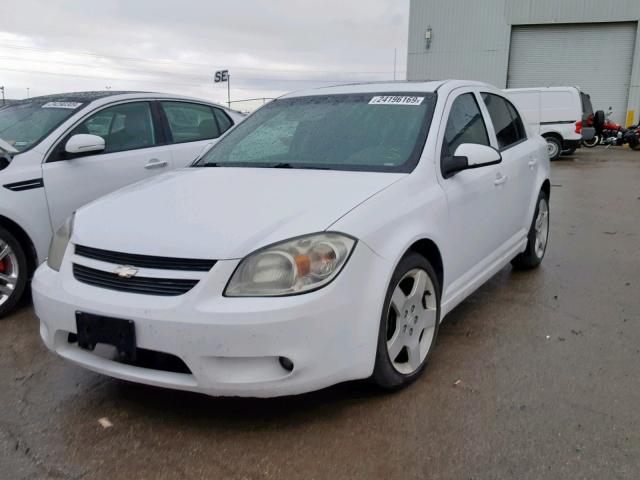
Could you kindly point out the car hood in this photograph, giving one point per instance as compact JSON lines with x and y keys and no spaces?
{"x":222,"y":213}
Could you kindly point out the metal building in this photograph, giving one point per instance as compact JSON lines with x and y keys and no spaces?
{"x":593,"y":44}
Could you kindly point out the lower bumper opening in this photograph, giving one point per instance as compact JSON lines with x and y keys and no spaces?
{"x":150,"y":359}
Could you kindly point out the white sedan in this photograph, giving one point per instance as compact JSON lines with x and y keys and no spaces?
{"x":62,"y":151}
{"x":322,"y":240}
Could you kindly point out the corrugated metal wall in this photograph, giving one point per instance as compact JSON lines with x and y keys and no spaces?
{"x":604,"y":76}
{"x":471,"y":38}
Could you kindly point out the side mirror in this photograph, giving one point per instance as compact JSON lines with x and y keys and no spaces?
{"x":470,"y":155}
{"x":83,"y":143}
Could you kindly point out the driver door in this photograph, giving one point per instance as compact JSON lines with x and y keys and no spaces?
{"x":474,"y":196}
{"x":134,"y":150}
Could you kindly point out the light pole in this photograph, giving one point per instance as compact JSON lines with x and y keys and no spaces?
{"x":27,"y":92}
{"x":2,"y":90}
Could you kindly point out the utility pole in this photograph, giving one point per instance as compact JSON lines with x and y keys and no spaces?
{"x":2,"y":90}
{"x":27,"y":92}
{"x":395,"y":58}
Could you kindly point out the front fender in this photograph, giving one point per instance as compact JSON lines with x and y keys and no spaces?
{"x":393,"y":220}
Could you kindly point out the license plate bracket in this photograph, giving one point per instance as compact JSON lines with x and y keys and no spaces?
{"x":93,"y":329}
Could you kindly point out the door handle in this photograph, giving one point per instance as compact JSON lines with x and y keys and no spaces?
{"x":500,"y":179}
{"x":532,"y":163}
{"x":155,"y":163}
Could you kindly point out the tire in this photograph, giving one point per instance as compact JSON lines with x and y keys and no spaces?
{"x":594,"y":142}
{"x":538,"y":232}
{"x":400,"y":324}
{"x":554,"y":148}
{"x":635,"y":146}
{"x":569,"y":151}
{"x":599,"y":117}
{"x":13,"y":272}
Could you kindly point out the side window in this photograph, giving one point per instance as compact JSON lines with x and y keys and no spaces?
{"x":224,"y":122}
{"x":127,"y":126}
{"x":506,"y":121}
{"x":465,"y":125}
{"x":190,"y":122}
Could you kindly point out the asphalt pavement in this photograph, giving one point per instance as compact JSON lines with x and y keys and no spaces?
{"x":535,"y":376}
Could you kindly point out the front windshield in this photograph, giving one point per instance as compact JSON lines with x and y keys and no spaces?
{"x":371,"y":132}
{"x":25,"y":124}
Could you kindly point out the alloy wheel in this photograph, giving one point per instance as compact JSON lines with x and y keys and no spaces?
{"x":9,"y":271}
{"x":542,"y":227}
{"x":411,"y":321}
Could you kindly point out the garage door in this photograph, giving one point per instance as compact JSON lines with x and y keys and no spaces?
{"x":597,"y":57}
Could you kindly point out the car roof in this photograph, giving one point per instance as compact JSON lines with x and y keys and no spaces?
{"x":396,"y":87}
{"x":108,"y":96}
{"x":543,"y":89}
{"x":84,"y":97}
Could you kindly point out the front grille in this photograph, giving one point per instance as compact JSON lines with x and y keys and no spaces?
{"x":141,"y":285}
{"x":145,"y":261}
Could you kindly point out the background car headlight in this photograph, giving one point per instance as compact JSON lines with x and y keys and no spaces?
{"x":59,"y":244}
{"x":294,"y":266}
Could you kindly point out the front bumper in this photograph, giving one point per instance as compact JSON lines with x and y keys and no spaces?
{"x":231,"y":346}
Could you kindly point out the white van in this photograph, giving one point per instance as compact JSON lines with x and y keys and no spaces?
{"x":553,"y":113}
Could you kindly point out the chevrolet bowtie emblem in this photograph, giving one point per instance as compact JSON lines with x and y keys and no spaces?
{"x":125,"y":271}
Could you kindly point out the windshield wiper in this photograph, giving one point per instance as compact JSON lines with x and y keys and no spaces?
{"x":281,"y":165}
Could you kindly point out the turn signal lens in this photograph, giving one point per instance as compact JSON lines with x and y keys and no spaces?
{"x":294,"y":266}
{"x":59,"y":244}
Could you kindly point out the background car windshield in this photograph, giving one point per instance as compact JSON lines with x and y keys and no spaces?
{"x":373,"y":132}
{"x":25,"y":124}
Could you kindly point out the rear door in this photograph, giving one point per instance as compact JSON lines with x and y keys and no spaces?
{"x":520,"y":158}
{"x":134,"y":150}
{"x":192,"y":127}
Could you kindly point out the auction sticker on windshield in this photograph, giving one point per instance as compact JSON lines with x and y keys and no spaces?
{"x":70,"y":105}
{"x":396,"y":100}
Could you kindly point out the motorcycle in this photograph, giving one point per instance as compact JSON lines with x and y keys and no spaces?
{"x":632,"y":137}
{"x":608,"y":132}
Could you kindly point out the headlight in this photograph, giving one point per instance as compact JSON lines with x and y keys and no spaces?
{"x":59,"y":244}
{"x":294,"y":266}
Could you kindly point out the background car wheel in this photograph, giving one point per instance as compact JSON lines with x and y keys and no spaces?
{"x":13,"y":272}
{"x":569,"y":151}
{"x":538,"y":237}
{"x":554,"y":147}
{"x":409,"y":323}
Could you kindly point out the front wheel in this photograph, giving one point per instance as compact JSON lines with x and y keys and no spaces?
{"x":537,"y":238}
{"x":13,"y":272}
{"x":409,"y":323}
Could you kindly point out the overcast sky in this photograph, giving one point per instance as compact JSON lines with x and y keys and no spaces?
{"x":269,"y":46}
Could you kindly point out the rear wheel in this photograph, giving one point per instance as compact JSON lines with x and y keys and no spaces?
{"x":409,"y":323}
{"x":554,"y":147}
{"x":537,"y":238}
{"x":13,"y":272}
{"x":594,"y":142}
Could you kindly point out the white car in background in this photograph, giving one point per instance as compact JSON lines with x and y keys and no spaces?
{"x":60,"y":152}
{"x":321,"y":240}
{"x":554,"y":113}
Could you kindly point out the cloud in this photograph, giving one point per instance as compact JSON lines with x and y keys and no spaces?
{"x":271,"y":47}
